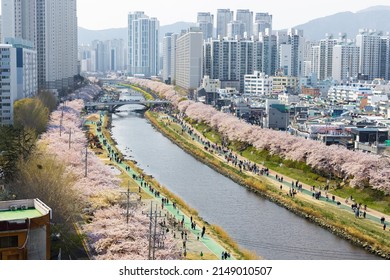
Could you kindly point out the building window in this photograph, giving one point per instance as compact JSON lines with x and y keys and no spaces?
{"x":8,"y":242}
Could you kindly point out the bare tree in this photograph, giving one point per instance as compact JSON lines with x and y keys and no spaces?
{"x":43,"y":176}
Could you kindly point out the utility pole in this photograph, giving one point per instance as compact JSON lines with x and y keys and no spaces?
{"x":70,"y":136}
{"x":153,"y":215}
{"x":60,"y":126}
{"x":86,"y":160}
{"x":62,"y":116}
{"x":128,"y":193}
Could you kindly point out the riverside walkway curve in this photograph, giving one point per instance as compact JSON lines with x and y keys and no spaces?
{"x":195,"y":245}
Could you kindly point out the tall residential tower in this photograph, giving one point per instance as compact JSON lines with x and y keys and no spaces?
{"x":143,"y":44}
{"x":51,"y":26}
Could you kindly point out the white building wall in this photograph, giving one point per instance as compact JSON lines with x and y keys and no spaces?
{"x":285,"y":59}
{"x":369,"y":43}
{"x":224,"y":16}
{"x":345,"y":62}
{"x":167,"y":53}
{"x":258,"y":84}
{"x":18,"y":78}
{"x":143,"y":44}
{"x":189,"y":60}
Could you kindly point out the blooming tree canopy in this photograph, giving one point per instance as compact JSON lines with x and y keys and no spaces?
{"x":361,"y":168}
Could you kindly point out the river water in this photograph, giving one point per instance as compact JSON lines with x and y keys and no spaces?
{"x":252,"y":221}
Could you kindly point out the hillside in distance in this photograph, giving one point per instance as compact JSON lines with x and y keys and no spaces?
{"x":376,"y":17}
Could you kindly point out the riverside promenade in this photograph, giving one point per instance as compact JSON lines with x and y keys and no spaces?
{"x":190,"y":239}
{"x":287,"y":184}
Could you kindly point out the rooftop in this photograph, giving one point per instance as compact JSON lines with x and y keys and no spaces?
{"x":8,"y":215}
{"x":22,"y":209}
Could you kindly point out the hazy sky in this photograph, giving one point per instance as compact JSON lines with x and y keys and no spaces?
{"x":98,"y":14}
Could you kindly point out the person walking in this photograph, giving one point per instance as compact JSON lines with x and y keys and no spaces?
{"x":203,"y":231}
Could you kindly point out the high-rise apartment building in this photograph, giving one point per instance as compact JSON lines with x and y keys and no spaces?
{"x":143,"y":44}
{"x":315,"y":60}
{"x":269,"y":53}
{"x":345,"y":62}
{"x":19,"y":17}
{"x":18,"y":75}
{"x":117,"y":54}
{"x":173,"y":57}
{"x":1,"y":32}
{"x":205,"y":21}
{"x":262,"y":22}
{"x":246,"y":17}
{"x":369,"y":43}
{"x":325,"y":61}
{"x":384,"y":60}
{"x":189,"y":59}
{"x":229,"y":60}
{"x":224,"y":16}
{"x":167,"y":58}
{"x":297,"y":43}
{"x":235,"y":29}
{"x":52,"y":28}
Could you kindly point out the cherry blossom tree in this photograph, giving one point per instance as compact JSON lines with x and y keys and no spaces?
{"x":361,"y":168}
{"x":108,"y":234}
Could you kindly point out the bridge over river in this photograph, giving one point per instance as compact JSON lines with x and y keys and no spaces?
{"x":112,"y":106}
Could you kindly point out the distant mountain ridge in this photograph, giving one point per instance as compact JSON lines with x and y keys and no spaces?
{"x":86,"y":36}
{"x":376,"y":17}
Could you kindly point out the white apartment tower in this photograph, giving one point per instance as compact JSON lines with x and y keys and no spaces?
{"x":267,"y":53}
{"x":189,"y":59}
{"x":285,"y":59}
{"x":235,"y":29}
{"x":369,"y":43}
{"x":384,"y":67}
{"x":18,"y":69}
{"x":52,"y":28}
{"x":246,"y":17}
{"x":19,"y":18}
{"x":143,"y":44}
{"x":224,"y":16}
{"x":345,"y":62}
{"x":167,"y":58}
{"x":205,"y":21}
{"x":229,"y":60}
{"x":262,"y":22}
{"x":315,"y":59}
{"x":56,"y":43}
{"x":173,"y":57}
{"x":325,"y":57}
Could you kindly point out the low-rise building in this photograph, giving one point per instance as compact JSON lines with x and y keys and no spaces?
{"x":258,"y":84}
{"x":24,"y":230}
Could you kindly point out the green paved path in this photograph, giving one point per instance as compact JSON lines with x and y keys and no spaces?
{"x":193,"y":245}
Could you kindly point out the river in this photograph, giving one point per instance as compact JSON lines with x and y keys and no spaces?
{"x":252,"y":221}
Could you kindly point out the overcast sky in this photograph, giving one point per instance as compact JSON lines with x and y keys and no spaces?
{"x":98,"y":14}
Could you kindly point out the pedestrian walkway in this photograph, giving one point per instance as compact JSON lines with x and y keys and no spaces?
{"x":193,"y":245}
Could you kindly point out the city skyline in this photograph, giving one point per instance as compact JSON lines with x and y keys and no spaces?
{"x":115,"y":15}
